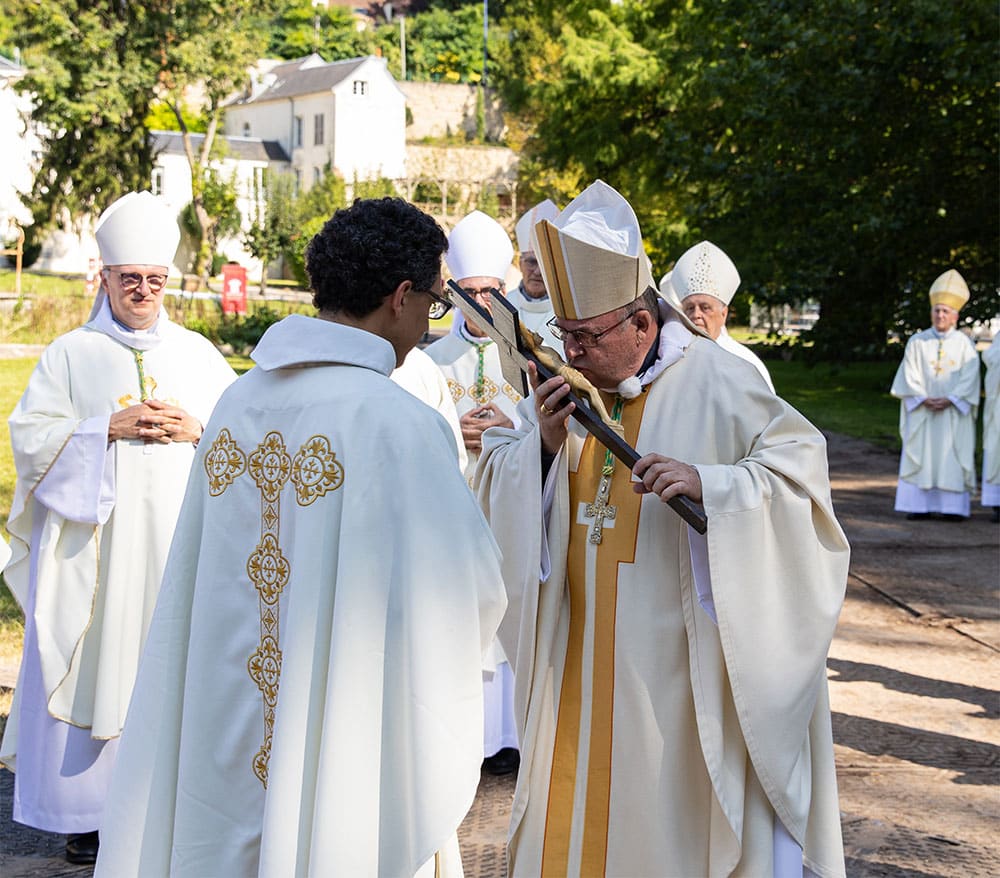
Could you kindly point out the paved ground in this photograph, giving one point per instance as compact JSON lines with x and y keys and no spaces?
{"x":913,"y":678}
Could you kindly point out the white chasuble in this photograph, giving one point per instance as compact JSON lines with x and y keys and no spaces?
{"x":91,"y":525}
{"x":991,"y":426}
{"x":938,"y":447}
{"x":471,"y":367}
{"x":655,"y":741}
{"x":310,"y":700}
{"x":728,"y":343}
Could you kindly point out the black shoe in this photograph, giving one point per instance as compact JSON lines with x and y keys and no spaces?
{"x":505,"y":761}
{"x":996,"y":514}
{"x":950,"y":516}
{"x":81,"y":848}
{"x":918,"y":516}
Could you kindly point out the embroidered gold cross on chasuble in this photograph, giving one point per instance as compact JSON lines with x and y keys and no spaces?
{"x":313,"y":471}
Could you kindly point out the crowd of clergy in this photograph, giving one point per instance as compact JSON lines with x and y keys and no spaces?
{"x":278,"y":625}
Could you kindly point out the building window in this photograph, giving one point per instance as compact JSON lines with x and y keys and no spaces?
{"x":297,"y":132}
{"x":318,"y":129}
{"x":246,"y":129}
{"x":360,"y":86}
{"x":156,"y":183}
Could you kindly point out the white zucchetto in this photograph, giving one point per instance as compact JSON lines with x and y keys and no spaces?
{"x":706,"y":270}
{"x":478,"y":247}
{"x":138,"y":229}
{"x":524,"y":230}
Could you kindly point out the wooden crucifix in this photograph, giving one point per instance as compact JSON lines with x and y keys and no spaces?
{"x":504,"y":327}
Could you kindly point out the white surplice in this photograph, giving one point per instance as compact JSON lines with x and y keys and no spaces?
{"x":91,"y":524}
{"x":656,"y":739}
{"x":936,"y":467}
{"x":728,"y":343}
{"x":471,"y":366}
{"x":991,"y":426}
{"x":310,"y":699}
{"x":420,"y":375}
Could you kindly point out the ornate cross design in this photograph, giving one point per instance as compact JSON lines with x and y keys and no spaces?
{"x":600,"y":510}
{"x":314,"y":471}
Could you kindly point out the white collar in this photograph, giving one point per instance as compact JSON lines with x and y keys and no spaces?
{"x":137,"y":339}
{"x":306,"y":341}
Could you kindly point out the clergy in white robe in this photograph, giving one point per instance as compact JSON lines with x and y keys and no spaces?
{"x":479,"y":255}
{"x":991,"y":429}
{"x":704,"y":281}
{"x":937,"y":384}
{"x":420,"y":375}
{"x":671,"y":688}
{"x":530,"y":297}
{"x":310,"y":699}
{"x":103,"y":440}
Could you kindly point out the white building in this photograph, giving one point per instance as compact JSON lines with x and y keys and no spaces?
{"x":20,"y":150}
{"x":345,"y":116}
{"x":244,"y":161}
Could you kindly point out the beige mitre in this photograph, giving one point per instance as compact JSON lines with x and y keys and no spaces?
{"x":705,"y":270}
{"x":591,"y":255}
{"x":950,"y":289}
{"x":525,"y":227}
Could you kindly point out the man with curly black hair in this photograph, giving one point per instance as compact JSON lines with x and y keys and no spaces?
{"x":311,"y":699}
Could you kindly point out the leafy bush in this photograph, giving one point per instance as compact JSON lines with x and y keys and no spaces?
{"x":243,"y":333}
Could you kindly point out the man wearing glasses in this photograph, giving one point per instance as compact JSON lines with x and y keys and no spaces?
{"x":670,"y":686}
{"x":479,"y":255}
{"x":310,"y":702}
{"x":531,"y":298}
{"x":103,"y":440}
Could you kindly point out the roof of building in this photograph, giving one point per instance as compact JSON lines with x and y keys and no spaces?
{"x":248,"y":148}
{"x":303,"y":76}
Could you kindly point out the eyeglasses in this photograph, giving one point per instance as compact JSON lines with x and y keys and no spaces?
{"x":484,"y":292}
{"x":439,"y":306}
{"x":132,"y":280}
{"x":582,"y":337}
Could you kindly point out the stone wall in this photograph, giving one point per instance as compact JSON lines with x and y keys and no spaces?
{"x":438,"y":109}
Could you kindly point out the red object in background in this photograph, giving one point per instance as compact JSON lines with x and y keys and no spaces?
{"x":234,"y":288}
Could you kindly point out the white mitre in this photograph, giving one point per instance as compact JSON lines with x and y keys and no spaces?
{"x":138,"y":229}
{"x":591,"y":255}
{"x":479,"y":247}
{"x":524,"y":230}
{"x":705,"y":270}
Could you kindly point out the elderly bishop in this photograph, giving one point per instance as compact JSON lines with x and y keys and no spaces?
{"x":671,"y":688}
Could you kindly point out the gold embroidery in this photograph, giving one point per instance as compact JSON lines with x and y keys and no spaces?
{"x":457,"y":391}
{"x":511,"y":393}
{"x":314,"y":471}
{"x":484,"y":394}
{"x":223,"y":463}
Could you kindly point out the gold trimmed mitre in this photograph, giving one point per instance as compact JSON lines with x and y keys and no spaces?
{"x":591,"y":255}
{"x":950,"y":289}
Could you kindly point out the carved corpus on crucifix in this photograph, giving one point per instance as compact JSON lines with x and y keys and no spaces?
{"x":517,"y":347}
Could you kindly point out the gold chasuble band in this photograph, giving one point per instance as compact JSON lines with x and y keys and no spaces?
{"x":576,"y":824}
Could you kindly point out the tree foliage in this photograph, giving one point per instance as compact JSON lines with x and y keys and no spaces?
{"x":847,"y":153}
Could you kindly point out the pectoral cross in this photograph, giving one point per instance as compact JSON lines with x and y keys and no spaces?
{"x":600,"y":510}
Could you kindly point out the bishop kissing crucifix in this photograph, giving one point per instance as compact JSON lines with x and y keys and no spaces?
{"x":504,"y":327}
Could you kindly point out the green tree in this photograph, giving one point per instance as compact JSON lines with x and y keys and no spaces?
{"x":848,"y":154}
{"x":204,"y":47}
{"x":301,"y":28}
{"x":272,"y":224}
{"x":90,"y":80}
